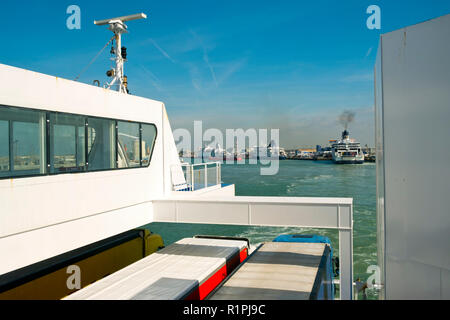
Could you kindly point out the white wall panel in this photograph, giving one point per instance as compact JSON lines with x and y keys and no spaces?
{"x":25,"y":248}
{"x":413,"y":174}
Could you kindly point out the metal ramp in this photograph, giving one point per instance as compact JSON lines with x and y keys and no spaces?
{"x":188,"y":269}
{"x":280,"y":271}
{"x":324,"y":213}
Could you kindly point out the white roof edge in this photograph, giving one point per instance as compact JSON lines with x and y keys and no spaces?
{"x":83,"y":84}
{"x":260,"y":200}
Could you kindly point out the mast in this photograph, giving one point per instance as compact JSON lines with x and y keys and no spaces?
{"x":118,"y":27}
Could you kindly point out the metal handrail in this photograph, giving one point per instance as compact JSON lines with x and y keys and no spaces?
{"x":190,"y":177}
{"x":316,"y":213}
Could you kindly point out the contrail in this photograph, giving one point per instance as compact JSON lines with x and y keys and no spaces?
{"x":165,"y":54}
{"x":211,"y":69}
{"x":205,"y":57}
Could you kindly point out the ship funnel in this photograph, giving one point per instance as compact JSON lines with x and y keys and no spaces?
{"x":345,"y":135}
{"x":117,"y":26}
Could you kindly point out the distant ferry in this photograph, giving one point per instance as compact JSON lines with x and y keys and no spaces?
{"x":346,"y":150}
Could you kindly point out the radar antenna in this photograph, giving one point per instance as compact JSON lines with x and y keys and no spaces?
{"x":117,"y":26}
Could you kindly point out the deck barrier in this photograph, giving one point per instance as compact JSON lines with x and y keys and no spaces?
{"x":199,"y":176}
{"x":322,"y":213}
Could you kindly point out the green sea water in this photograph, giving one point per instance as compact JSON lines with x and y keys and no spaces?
{"x":298,"y":178}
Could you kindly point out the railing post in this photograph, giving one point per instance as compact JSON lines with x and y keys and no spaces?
{"x":192,"y":177}
{"x":206,"y":175}
{"x":345,"y":220}
{"x":171,"y":179}
{"x":217,"y":173}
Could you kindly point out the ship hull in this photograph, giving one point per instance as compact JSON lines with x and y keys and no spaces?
{"x":349,"y":161}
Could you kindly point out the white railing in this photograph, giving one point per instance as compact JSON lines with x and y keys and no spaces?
{"x":201,"y":175}
{"x":323,"y":213}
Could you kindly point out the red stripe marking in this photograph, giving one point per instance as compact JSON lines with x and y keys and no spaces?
{"x":212,"y":282}
{"x":200,"y":293}
{"x":243,"y":255}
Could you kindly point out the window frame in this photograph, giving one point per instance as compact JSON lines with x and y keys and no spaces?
{"x":87,"y":146}
{"x":47,"y":145}
{"x":153,"y":145}
{"x":51,"y":153}
{"x":42,"y":154}
{"x":140,"y":143}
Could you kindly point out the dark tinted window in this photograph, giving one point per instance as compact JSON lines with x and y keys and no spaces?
{"x":4,"y":146}
{"x":23,"y":142}
{"x":75,"y":143}
{"x":101,"y":144}
{"x":67,"y":143}
{"x":148,"y":142}
{"x":128,"y":144}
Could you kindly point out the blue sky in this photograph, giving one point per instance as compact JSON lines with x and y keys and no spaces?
{"x":292,"y":65}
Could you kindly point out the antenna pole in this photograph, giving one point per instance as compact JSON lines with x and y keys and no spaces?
{"x":118,"y":27}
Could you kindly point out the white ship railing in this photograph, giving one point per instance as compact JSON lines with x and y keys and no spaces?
{"x":322,"y":213}
{"x":200,"y":176}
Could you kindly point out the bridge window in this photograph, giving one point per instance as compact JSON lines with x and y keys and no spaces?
{"x":34,"y":142}
{"x":128,"y":144}
{"x":67,"y":143}
{"x":23,"y":142}
{"x":148,"y":142}
{"x":101,"y":144}
{"x":4,"y":146}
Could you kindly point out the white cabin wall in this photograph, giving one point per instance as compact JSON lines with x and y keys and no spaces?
{"x":48,"y":215}
{"x":32,"y":246}
{"x":172,"y":165}
{"x":380,"y":167}
{"x":414,"y":122}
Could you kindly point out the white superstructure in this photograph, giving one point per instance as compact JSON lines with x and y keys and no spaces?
{"x":43,"y":203}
